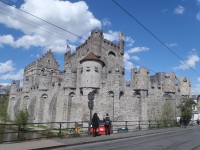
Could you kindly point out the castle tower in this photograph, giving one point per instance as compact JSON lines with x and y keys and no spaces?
{"x":70,"y":74}
{"x":44,"y":79}
{"x":91,"y":71}
{"x":15,"y":85}
{"x":140,"y":82}
{"x":140,"y":78}
{"x":27,"y":83}
{"x":184,"y":86}
{"x":69,"y":77}
{"x":95,"y":41}
{"x":168,"y":82}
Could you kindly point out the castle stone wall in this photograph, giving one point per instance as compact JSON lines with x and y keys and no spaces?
{"x":50,"y":94}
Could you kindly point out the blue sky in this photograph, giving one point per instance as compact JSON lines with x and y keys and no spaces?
{"x":176,"y":23}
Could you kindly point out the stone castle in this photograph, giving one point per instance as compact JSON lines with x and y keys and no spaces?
{"x":51,"y":95}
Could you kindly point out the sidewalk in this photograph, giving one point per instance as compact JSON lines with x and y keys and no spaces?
{"x":56,"y":143}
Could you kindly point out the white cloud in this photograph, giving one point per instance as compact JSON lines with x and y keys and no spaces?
{"x":106,"y":22}
{"x":111,"y":35}
{"x":129,"y":41}
{"x":135,"y":58}
{"x":198,"y":16}
{"x":73,"y":17}
{"x":12,"y":75}
{"x":7,"y":71}
{"x":6,"y":39}
{"x":126,"y":57}
{"x":192,"y":60}
{"x":138,"y":49}
{"x":4,"y":84}
{"x":127,"y":63}
{"x":179,"y":10}
{"x":114,"y":36}
{"x":172,"y":44}
{"x":7,"y":66}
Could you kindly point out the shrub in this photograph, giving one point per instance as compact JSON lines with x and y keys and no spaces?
{"x":22,"y":118}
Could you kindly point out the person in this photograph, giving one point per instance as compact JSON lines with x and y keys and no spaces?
{"x":107,"y":124}
{"x":95,"y":124}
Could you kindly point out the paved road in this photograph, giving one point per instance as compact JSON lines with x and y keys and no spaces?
{"x":188,"y":139}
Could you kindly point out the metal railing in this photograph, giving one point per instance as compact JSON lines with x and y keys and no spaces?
{"x":16,"y":132}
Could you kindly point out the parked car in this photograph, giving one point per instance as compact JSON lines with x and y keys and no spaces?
{"x":192,"y":122}
{"x":101,"y":128}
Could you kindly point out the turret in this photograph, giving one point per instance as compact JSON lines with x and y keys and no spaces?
{"x":44,"y":79}
{"x":140,"y":78}
{"x":69,"y":77}
{"x":184,"y":86}
{"x":14,"y":86}
{"x":95,"y":41}
{"x":168,"y":82}
{"x":67,"y":58}
{"x":91,"y":71}
{"x":27,"y":83}
{"x":121,"y":47}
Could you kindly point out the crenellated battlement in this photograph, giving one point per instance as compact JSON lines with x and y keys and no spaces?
{"x":168,"y":82}
{"x":184,"y":86}
{"x":140,"y":78}
{"x":53,"y":95}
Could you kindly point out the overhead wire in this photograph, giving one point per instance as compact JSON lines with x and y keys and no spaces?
{"x":152,"y":34}
{"x":60,"y":28}
{"x":23,"y":20}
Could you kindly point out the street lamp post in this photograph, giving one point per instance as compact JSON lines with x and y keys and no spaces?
{"x":112,"y":95}
{"x":90,"y":105}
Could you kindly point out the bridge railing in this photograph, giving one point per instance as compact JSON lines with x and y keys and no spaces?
{"x":17,"y":132}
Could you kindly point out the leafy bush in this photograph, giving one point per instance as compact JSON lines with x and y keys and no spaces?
{"x":186,"y":109}
{"x":167,"y":115}
{"x":3,"y":110}
{"x":22,"y":118}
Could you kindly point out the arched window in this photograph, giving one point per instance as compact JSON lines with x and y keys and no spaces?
{"x":44,"y":96}
{"x":111,"y":93}
{"x":81,"y":92}
{"x":13,"y":99}
{"x":121,"y":94}
{"x":42,"y":70}
{"x":111,"y":54}
{"x":167,"y":96}
{"x":71,"y":94}
{"x":25,"y":102}
{"x":137,"y":94}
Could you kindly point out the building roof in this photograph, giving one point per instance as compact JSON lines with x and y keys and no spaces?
{"x":92,"y":57}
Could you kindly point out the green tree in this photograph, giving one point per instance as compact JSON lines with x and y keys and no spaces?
{"x":22,"y":118}
{"x":3,"y":108}
{"x":167,"y":114}
{"x":186,"y":109}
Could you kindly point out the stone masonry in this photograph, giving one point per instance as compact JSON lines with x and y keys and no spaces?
{"x":97,"y":65}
